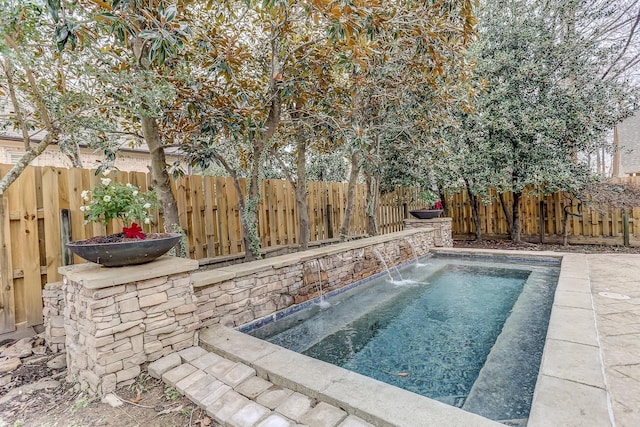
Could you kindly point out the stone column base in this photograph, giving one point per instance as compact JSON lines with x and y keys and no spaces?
{"x":441,"y":225}
{"x":116,"y":319}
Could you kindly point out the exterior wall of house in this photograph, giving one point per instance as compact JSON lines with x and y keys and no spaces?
{"x":129,"y":161}
{"x":629,"y":145}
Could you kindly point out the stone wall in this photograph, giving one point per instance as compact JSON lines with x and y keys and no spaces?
{"x":53,"y":312}
{"x":112,"y":320}
{"x":442,"y":227}
{"x":239,"y":294}
{"x":112,"y":330}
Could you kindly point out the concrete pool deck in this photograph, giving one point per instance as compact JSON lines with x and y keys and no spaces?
{"x":589,"y":376}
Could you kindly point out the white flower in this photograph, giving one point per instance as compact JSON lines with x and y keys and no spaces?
{"x":83,"y":208}
{"x":106,"y":198}
{"x":146,"y":205}
{"x":105,"y":181}
{"x":135,"y":193}
{"x":85,"y":194}
{"x":147,"y":220}
{"x":129,"y":185}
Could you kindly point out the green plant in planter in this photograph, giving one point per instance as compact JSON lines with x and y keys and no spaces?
{"x":429,"y":198}
{"x":111,"y":200}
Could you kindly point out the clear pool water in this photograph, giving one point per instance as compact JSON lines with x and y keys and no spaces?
{"x":464,"y":332}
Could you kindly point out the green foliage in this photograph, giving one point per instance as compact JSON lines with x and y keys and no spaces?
{"x":171,"y":393}
{"x":327,"y":167}
{"x":429,"y":198}
{"x":81,"y":402}
{"x":544,"y":99}
{"x":113,"y":200}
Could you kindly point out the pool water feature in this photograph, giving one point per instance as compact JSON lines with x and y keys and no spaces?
{"x":466,"y":333}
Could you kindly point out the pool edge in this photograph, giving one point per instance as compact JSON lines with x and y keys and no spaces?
{"x":375,"y":402}
{"x":570,"y":389}
{"x":571,"y":386}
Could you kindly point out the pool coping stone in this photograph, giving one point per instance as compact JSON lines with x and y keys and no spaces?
{"x":371,"y":400}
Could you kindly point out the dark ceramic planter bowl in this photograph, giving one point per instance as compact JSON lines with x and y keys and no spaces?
{"x":426,"y":213}
{"x":119,"y":254}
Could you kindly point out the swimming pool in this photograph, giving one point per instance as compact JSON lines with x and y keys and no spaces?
{"x":466,"y":332}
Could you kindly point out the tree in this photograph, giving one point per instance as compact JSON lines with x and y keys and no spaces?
{"x":49,"y":102}
{"x":404,"y":67}
{"x":246,"y":57}
{"x":545,"y":99}
{"x":131,"y":50}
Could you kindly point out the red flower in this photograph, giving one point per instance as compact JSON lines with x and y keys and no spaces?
{"x":438,"y":204}
{"x":133,"y":232}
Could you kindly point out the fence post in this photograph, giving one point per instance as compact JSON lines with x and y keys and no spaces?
{"x":65,"y":236}
{"x":329,"y":212}
{"x":541,"y":220}
{"x":625,"y":226}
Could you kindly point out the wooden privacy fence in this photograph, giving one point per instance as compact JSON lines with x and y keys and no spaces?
{"x":541,"y":217}
{"x":41,"y":211}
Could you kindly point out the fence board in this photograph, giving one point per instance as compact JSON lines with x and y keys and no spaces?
{"x":223,"y":209}
{"x":289,"y":213}
{"x":601,"y":224}
{"x":30,"y":250}
{"x":270,"y":214}
{"x":182,"y":186}
{"x":281,"y":212}
{"x":210,"y":211}
{"x":7,"y":301}
{"x":51,"y":206}
{"x":196,"y":215}
{"x":234,"y":218}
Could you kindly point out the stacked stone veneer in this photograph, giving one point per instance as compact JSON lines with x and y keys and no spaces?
{"x":239,"y":294}
{"x":442,"y":227}
{"x":53,"y":307}
{"x":110,"y":321}
{"x":117,"y":319}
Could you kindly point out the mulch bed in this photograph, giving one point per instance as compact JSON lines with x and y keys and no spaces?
{"x":524,"y":246}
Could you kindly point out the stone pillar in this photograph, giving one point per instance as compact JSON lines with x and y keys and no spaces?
{"x":53,"y":314}
{"x":442,"y":227}
{"x":119,"y":318}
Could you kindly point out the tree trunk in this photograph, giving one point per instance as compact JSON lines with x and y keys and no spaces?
{"x":507,"y":213}
{"x":373,"y":195}
{"x":443,"y":201}
{"x":24,"y":161}
{"x":565,"y":226}
{"x":351,"y":195}
{"x":38,"y":100}
{"x":475,"y":210}
{"x":301,"y":193}
{"x":515,"y":209}
{"x":249,"y":213}
{"x":249,"y":210}
{"x":161,"y":182}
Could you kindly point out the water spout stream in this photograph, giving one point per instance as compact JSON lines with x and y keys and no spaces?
{"x":384,"y":263}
